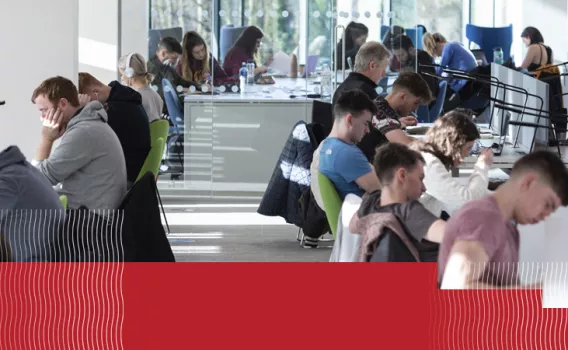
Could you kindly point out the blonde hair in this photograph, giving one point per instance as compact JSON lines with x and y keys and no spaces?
{"x":430,"y":41}
{"x":138,"y":65}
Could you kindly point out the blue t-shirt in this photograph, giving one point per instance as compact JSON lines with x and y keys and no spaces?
{"x":343,"y":163}
{"x":456,"y":56}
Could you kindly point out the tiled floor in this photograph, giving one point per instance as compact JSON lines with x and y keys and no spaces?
{"x":229,"y":229}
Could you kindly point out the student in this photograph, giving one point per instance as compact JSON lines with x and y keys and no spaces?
{"x":245,"y":49}
{"x":134,"y":73}
{"x":400,"y":172}
{"x":339,"y":158}
{"x":412,"y":58}
{"x":355,"y":36}
{"x":538,"y":54}
{"x":370,"y":66}
{"x":88,"y":161}
{"x":163,"y":65}
{"x":453,"y":55}
{"x":393,"y":112}
{"x":393,"y":32}
{"x":126,"y":116}
{"x":446,"y":144}
{"x":197,"y":63}
{"x":30,"y":209}
{"x":480,"y":248}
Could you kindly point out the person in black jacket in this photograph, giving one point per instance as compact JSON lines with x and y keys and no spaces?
{"x":411,"y":58}
{"x":126,"y":116}
{"x":355,"y":36}
{"x":163,"y":65}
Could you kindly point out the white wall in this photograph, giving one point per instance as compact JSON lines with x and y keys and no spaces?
{"x":39,"y":40}
{"x":135,"y":25}
{"x":98,"y":38}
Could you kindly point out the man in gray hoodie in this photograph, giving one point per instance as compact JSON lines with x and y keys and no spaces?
{"x":88,"y":162}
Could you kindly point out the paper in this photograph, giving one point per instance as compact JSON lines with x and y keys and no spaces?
{"x":281,"y":63}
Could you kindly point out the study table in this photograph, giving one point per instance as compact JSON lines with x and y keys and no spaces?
{"x":233,"y":141}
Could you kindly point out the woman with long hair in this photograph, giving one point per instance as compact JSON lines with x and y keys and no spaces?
{"x":245,"y":50}
{"x":196,"y":61}
{"x":538,"y":54}
{"x":355,"y":36}
{"x":446,"y":145}
{"x":135,"y":74}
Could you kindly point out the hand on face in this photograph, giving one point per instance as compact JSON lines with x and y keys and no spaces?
{"x":84,"y":100}
{"x":53,"y":126}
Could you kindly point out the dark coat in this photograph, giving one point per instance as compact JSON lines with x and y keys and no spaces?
{"x":292,"y":176}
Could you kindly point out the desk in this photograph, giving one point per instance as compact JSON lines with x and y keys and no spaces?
{"x":233,"y":141}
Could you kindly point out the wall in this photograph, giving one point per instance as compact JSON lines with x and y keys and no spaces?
{"x":551,"y":18}
{"x":135,"y":24}
{"x":98,"y":38}
{"x":40,"y":40}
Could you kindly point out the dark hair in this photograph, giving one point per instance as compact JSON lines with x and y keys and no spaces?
{"x":447,"y":137}
{"x":549,"y":167}
{"x":392,"y":156}
{"x":353,"y":31}
{"x":414,"y":84}
{"x":392,"y":32}
{"x":192,"y":39}
{"x":57,"y":88}
{"x":171,"y":45}
{"x":424,"y":31}
{"x":533,"y":34}
{"x":401,"y":42}
{"x":354,"y":102}
{"x":5,"y":251}
{"x":247,"y":40}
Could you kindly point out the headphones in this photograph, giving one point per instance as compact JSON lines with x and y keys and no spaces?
{"x":128,"y":71}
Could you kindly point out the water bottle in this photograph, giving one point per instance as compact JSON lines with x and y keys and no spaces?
{"x":250,"y":68}
{"x":498,"y":55}
{"x":243,"y":74}
{"x":326,"y":81}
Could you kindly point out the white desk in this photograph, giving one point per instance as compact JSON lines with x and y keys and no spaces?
{"x":233,"y":141}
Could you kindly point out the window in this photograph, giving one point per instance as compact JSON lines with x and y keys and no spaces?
{"x":443,"y":16}
{"x":187,"y":14}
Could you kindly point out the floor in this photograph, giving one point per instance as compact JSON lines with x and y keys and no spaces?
{"x":227,"y":228}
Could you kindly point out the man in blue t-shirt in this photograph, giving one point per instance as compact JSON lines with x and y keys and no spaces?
{"x":340,"y":159}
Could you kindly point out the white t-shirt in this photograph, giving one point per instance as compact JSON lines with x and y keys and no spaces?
{"x":152,"y":102}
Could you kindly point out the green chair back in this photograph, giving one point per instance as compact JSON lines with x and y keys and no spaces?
{"x":63,"y":199}
{"x":331,"y":201}
{"x":154,"y":159}
{"x":159,"y":128}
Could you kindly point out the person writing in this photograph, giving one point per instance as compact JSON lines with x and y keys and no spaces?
{"x":245,"y":50}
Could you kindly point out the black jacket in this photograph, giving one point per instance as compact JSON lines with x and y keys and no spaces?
{"x":128,"y":119}
{"x":163,"y":71}
{"x":143,"y":235}
{"x":291,"y":176}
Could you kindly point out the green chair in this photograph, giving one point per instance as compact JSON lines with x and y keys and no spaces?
{"x":159,"y":128}
{"x":154,"y":159}
{"x":63,"y":199}
{"x":152,"y":163}
{"x":331,"y":202}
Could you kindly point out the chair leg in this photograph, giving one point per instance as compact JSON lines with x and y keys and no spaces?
{"x":163,"y":211}
{"x":298,"y":235}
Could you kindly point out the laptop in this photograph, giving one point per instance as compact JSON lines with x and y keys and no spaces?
{"x":498,"y":147}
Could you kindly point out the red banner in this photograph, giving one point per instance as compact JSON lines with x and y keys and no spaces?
{"x":263,"y":306}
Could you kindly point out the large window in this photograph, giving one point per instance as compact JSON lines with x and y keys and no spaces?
{"x":443,"y":16}
{"x":187,"y":14}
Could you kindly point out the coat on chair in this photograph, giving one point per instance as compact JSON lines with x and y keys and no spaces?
{"x":291,"y":176}
{"x":144,"y":237}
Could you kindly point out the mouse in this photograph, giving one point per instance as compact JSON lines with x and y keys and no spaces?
{"x":495,"y":145}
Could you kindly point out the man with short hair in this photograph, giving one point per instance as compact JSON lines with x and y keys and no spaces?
{"x":370,"y":66}
{"x":339,"y":158}
{"x":393,"y":112}
{"x":412,"y":58}
{"x":88,"y":161}
{"x":126,"y":116}
{"x":401,"y":172}
{"x":480,"y":248}
{"x":163,"y":65}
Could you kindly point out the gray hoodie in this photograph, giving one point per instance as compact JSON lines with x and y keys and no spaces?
{"x":88,"y":162}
